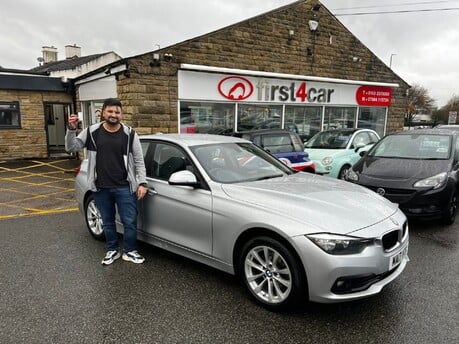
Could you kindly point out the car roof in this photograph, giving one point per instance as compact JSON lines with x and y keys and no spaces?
{"x":428,"y":131}
{"x":194,"y":139}
{"x":347,"y":130}
{"x":448,"y":126}
{"x":266,"y":131}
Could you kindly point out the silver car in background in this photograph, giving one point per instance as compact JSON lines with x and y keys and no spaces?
{"x":290,"y":236}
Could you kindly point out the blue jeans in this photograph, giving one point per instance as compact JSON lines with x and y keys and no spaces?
{"x":126,"y":204}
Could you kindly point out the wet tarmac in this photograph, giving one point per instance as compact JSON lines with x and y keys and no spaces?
{"x":36,"y":187}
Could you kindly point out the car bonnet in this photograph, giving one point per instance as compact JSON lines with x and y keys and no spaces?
{"x":318,"y":203}
{"x":400,"y":169}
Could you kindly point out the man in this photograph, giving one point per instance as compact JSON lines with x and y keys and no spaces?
{"x":116,"y":175}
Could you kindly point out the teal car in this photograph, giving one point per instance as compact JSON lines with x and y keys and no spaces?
{"x":335,"y":151}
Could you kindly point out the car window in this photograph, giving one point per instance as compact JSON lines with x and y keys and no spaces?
{"x":332,"y":139}
{"x":414,"y":146}
{"x":166,"y":160}
{"x":373,"y":137}
{"x":277,"y":143}
{"x":361,"y":139}
{"x":233,"y":163}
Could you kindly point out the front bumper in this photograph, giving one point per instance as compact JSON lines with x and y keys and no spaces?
{"x":419,"y":203}
{"x":337,"y":278}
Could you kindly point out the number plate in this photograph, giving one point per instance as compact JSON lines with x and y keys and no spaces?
{"x":395,"y":260}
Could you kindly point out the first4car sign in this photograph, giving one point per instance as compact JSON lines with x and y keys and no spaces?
{"x":243,"y":88}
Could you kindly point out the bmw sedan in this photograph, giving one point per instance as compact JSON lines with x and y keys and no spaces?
{"x":335,"y":151}
{"x":290,"y":236}
{"x":418,"y":169}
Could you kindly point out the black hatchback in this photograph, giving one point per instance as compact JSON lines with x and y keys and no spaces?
{"x":417,"y":169}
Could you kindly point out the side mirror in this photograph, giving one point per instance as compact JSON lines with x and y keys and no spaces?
{"x":184,"y":178}
{"x":363,"y":153}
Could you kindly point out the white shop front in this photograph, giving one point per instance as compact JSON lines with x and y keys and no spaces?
{"x":223,"y":101}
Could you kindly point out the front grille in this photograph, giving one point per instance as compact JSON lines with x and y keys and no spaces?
{"x":394,"y":192}
{"x":392,"y":239}
{"x":394,"y":195}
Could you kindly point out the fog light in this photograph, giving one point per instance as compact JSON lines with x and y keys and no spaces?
{"x":328,"y":168}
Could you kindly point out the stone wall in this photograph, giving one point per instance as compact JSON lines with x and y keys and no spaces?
{"x":30,"y":140}
{"x":261,"y":43}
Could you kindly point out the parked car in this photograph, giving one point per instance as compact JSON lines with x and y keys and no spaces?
{"x":335,"y":151}
{"x":418,"y":169}
{"x":284,"y":144}
{"x":290,"y":236}
{"x":454,"y":127}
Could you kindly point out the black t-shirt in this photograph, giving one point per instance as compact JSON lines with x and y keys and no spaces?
{"x":111,"y":153}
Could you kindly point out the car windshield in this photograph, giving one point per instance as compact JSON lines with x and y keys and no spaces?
{"x":334,"y":139}
{"x":414,"y":146}
{"x":238,"y":162}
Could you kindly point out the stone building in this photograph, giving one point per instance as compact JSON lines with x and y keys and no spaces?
{"x":304,"y":70}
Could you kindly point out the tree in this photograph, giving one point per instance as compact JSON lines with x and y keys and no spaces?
{"x":418,"y":99}
{"x":442,"y":114}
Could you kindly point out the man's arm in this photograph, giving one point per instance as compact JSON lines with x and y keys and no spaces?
{"x":74,"y":143}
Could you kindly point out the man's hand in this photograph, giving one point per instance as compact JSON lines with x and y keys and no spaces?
{"x":141,"y":192}
{"x":73,"y":121}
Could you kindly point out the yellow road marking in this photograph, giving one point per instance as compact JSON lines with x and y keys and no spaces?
{"x":41,"y":212}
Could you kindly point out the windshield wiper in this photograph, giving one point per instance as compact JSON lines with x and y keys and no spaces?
{"x":269,"y":177}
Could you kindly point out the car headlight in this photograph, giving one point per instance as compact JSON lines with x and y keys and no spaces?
{"x":352,"y":176}
{"x":327,"y":160}
{"x":434,"y":182}
{"x":340,"y":244}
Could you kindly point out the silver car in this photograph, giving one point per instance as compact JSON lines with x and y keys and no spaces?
{"x":289,"y":235}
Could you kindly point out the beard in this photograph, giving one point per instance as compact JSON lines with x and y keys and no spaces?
{"x":112,"y":121}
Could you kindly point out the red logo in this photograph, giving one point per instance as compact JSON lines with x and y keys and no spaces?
{"x":374,"y":96}
{"x":235,"y":88}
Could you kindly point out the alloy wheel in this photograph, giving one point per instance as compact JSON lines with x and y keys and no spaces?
{"x":268,"y":274}
{"x":94,"y":219}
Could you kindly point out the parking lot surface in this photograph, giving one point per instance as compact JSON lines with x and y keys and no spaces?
{"x":54,"y":289}
{"x":35,"y":187}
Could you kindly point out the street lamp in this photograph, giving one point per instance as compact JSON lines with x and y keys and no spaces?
{"x":390,"y":63}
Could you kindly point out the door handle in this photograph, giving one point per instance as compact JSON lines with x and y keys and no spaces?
{"x":152,"y":192}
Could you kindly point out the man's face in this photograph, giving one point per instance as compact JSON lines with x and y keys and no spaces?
{"x":112,"y":115}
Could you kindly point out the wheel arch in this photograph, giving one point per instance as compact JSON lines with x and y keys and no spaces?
{"x":86,"y":196}
{"x":256,"y":232}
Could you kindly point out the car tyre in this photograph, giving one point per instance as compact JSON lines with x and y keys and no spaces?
{"x":93,"y":219}
{"x":343,"y":172}
{"x":449,"y":216}
{"x":272,"y":274}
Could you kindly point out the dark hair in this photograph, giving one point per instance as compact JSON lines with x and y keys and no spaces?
{"x":111,"y":102}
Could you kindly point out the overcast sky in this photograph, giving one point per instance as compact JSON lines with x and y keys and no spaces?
{"x":425,"y":43}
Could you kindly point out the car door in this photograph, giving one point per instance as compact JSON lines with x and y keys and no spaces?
{"x":177,"y":214}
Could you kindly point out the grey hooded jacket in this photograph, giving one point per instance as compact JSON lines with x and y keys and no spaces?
{"x":133,"y":159}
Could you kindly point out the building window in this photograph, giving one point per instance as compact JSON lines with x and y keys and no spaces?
{"x":254,"y":117}
{"x":339,"y":117}
{"x":9,"y":115}
{"x":304,"y":120}
{"x":203,"y":117}
{"x":373,"y":118}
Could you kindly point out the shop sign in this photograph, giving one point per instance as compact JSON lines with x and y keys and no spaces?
{"x":374,"y":96}
{"x":245,"y":88}
{"x":240,"y":88}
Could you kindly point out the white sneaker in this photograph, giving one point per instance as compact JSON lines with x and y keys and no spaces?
{"x":110,"y":257}
{"x":133,"y":256}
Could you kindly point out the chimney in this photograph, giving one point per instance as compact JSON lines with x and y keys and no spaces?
{"x":49,"y":54}
{"x":72,"y":51}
